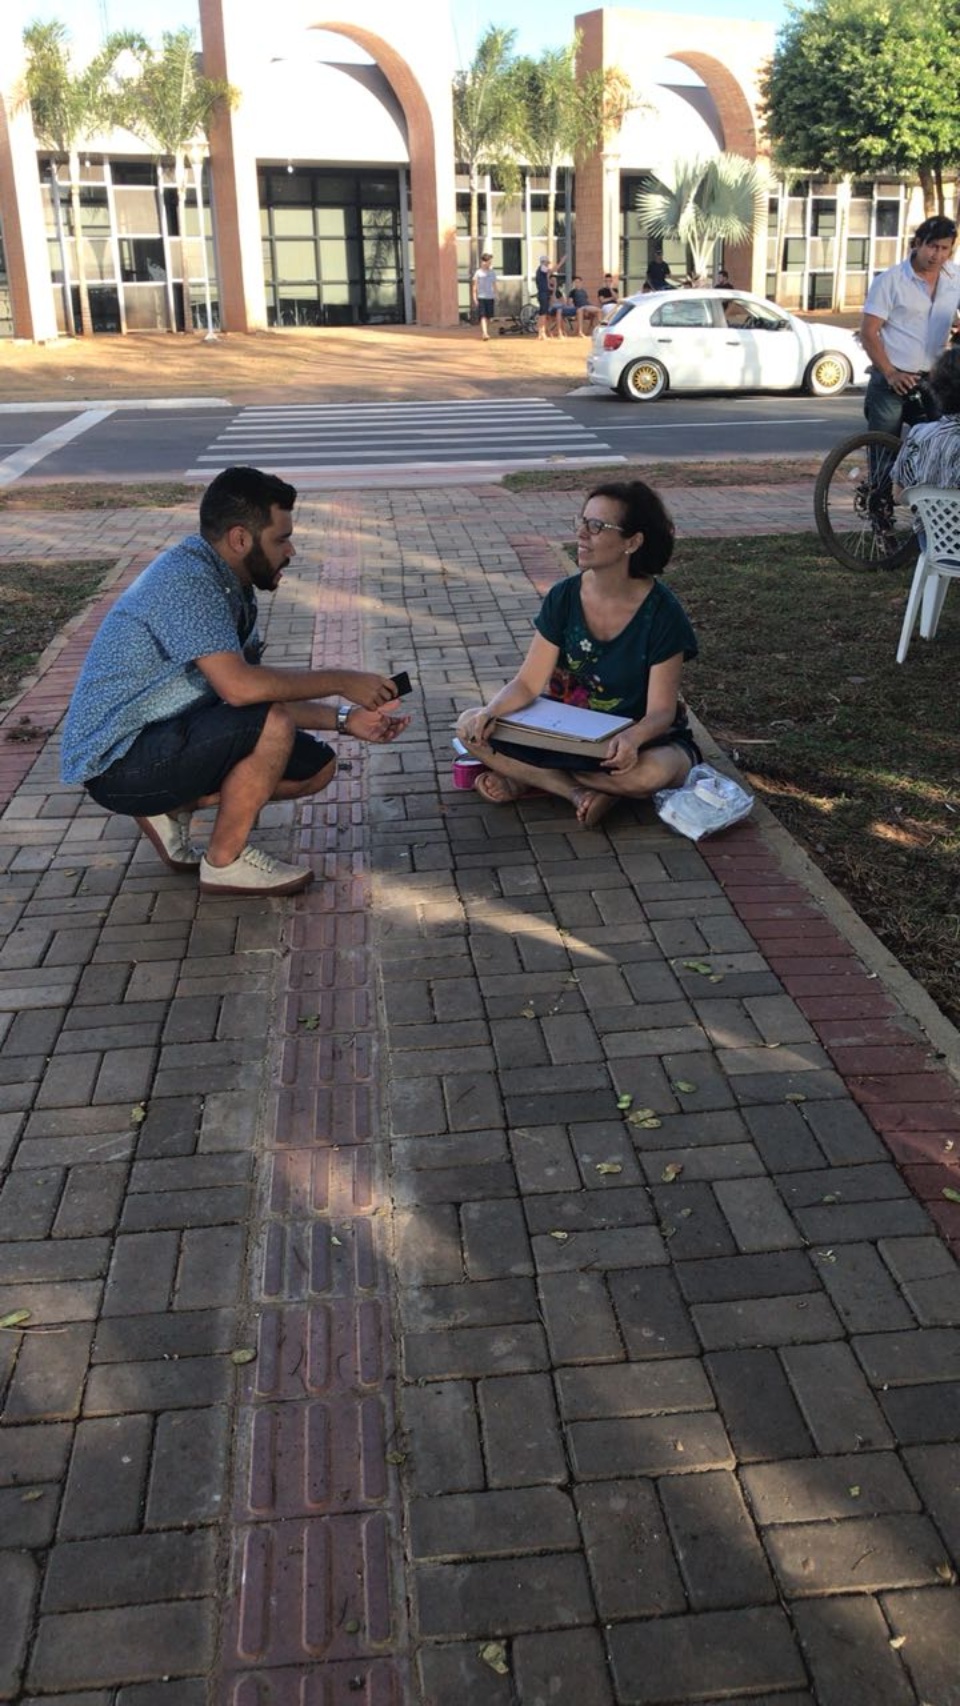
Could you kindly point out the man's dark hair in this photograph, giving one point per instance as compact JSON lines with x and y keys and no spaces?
{"x":945,"y":381}
{"x":643,"y":512}
{"x":243,"y":497}
{"x":936,"y":229}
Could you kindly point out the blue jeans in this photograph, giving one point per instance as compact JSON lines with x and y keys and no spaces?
{"x":881,"y":405}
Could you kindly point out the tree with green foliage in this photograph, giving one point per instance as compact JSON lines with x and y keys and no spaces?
{"x":701,"y":203}
{"x":170,"y":105}
{"x":867,"y":86}
{"x":69,"y":108}
{"x":487,"y":120}
{"x":566,"y":114}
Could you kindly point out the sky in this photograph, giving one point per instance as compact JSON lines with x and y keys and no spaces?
{"x":539,"y":23}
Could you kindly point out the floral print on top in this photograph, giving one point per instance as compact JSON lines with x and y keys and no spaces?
{"x":613,"y":675}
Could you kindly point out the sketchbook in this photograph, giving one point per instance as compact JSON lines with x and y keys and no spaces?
{"x":554,"y":726}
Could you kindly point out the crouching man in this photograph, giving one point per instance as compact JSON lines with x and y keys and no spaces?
{"x":173,"y":709}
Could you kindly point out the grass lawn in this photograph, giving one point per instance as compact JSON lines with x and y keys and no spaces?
{"x":66,"y":495}
{"x":36,"y":599}
{"x":855,"y":754}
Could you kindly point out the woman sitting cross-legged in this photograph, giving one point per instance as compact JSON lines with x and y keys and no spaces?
{"x":611,"y":638}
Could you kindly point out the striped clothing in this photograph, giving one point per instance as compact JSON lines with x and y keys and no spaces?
{"x":930,"y":455}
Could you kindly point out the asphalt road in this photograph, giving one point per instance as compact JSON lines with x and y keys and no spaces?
{"x":347,"y":442}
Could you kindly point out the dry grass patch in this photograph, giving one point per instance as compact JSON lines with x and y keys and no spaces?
{"x":36,"y":599}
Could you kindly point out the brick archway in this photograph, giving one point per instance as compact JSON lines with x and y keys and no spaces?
{"x":419,"y":70}
{"x":727,"y":56}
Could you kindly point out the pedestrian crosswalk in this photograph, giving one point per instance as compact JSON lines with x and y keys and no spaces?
{"x":414,"y":437}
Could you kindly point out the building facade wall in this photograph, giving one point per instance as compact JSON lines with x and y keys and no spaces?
{"x":419,"y":66}
{"x":330,"y":195}
{"x":727,"y":54}
{"x":26,"y":309}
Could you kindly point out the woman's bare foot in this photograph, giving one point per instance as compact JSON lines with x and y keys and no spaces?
{"x":502,"y":790}
{"x":590,"y":806}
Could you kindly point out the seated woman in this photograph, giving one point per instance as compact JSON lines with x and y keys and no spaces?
{"x":930,"y":455}
{"x":611,"y":638}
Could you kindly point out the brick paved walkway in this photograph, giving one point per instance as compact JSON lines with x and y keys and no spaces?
{"x":552,"y":1402}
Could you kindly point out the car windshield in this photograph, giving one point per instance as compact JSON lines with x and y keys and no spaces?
{"x":624,"y":309}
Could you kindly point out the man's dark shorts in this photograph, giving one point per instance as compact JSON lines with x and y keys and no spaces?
{"x":183,"y":758}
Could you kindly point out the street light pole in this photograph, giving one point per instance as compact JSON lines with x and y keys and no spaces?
{"x":197,"y":153}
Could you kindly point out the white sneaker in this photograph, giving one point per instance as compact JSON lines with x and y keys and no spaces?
{"x":253,"y":872}
{"x":170,"y":834}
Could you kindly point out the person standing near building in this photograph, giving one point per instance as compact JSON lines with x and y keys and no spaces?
{"x":484,"y":293}
{"x":544,"y":283}
{"x":907,"y":318}
{"x":658,"y":271}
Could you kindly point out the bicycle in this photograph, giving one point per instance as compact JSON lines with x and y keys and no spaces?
{"x":522,"y":324}
{"x":853,"y":504}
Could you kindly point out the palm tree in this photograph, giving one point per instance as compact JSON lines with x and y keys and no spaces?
{"x":704,"y":202}
{"x":169,"y":105}
{"x":567,"y":115}
{"x":487,"y":120}
{"x":69,"y":108}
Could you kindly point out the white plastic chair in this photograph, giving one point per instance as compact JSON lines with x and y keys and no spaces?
{"x":938,"y":511}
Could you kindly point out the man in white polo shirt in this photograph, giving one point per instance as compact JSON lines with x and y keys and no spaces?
{"x":907,"y":317}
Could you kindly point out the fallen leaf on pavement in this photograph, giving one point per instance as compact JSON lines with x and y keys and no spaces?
{"x":494,"y":1654}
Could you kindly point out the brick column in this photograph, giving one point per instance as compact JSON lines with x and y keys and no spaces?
{"x":21,"y":209}
{"x":419,"y":66}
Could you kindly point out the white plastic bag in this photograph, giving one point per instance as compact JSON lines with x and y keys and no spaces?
{"x":707,"y":802}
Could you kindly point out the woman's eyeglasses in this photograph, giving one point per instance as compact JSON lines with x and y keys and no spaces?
{"x":590,"y":524}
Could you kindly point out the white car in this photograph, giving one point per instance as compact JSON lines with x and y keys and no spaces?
{"x":719,"y":340}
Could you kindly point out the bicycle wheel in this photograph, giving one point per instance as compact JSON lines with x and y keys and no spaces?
{"x":856,"y":517}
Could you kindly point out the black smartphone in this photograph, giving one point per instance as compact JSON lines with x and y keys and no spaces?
{"x":401,"y":683}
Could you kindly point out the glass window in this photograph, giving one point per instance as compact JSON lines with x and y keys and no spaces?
{"x":97,"y":258}
{"x":105,"y":308}
{"x":141,"y":260}
{"x":289,"y":187}
{"x":888,"y":218}
{"x":857,"y":253}
{"x":794,"y":254}
{"x":293,"y":221}
{"x":133,"y":172}
{"x":332,"y":221}
{"x":94,"y":212}
{"x":795,"y":218}
{"x":820,"y":290}
{"x":334,"y":188}
{"x":298,"y":307}
{"x":379,"y":192}
{"x":859,"y":223}
{"x":823,"y":218}
{"x":145,"y":307}
{"x":507,"y":255}
{"x":683,"y":312}
{"x":296,"y":260}
{"x":137,"y":212}
{"x":377,"y":219}
{"x":335,"y":259}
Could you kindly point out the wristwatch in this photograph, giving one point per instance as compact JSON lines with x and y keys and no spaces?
{"x":343,"y":712}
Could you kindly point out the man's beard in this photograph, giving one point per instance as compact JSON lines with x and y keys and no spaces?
{"x":262,"y":573}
